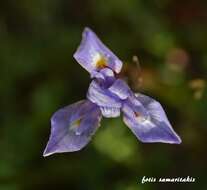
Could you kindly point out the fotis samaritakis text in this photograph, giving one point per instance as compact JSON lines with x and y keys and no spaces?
{"x":187,"y":179}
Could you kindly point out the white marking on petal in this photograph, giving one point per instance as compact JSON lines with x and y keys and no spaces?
{"x":110,"y":112}
{"x":143,"y":119}
{"x":96,"y":58}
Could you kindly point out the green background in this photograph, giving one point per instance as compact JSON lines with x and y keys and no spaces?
{"x":38,"y":75}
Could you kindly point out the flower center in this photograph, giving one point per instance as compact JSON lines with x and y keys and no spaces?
{"x":75,"y":124}
{"x":99,"y":61}
{"x":137,"y":114}
{"x":140,"y":117}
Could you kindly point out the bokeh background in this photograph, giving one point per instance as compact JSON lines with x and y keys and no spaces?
{"x":38,"y":75}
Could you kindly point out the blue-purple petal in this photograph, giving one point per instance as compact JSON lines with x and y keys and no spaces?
{"x":103,"y":74}
{"x":72,"y":127}
{"x":120,"y":88}
{"x":92,"y":54}
{"x":150,"y":125}
{"x":110,"y":105}
{"x":101,"y":96}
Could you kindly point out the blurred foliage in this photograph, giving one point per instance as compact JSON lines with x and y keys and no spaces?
{"x":38,"y":75}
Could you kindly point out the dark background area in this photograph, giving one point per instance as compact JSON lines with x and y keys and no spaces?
{"x":38,"y":75}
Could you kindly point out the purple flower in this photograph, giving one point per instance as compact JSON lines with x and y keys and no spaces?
{"x":74,"y":125}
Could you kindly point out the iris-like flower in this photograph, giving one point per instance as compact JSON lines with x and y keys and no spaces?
{"x":73,"y":126}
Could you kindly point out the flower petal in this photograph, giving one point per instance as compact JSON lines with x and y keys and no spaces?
{"x":150,"y":125}
{"x":101,"y":96}
{"x":103,"y":74}
{"x":92,"y":54}
{"x":72,"y":127}
{"x":120,"y":88}
{"x":109,"y":104}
